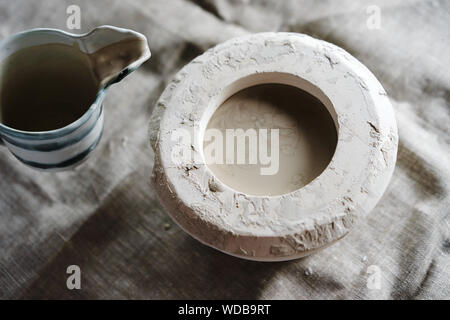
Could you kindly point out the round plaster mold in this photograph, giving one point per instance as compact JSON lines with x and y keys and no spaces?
{"x":293,"y":224}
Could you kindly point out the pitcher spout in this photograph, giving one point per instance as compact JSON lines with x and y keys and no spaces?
{"x":114,"y":53}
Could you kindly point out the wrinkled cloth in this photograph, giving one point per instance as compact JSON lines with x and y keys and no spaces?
{"x":104,"y":215}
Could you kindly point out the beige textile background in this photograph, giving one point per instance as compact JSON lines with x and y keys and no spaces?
{"x":104,"y":215}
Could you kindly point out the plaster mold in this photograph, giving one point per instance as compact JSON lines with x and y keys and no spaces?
{"x":292,"y":225}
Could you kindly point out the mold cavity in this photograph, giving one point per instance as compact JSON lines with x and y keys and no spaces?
{"x":294,"y":154}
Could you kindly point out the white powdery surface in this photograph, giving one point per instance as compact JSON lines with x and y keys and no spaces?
{"x":298,"y":223}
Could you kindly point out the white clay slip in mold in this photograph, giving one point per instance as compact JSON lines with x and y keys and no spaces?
{"x":337,"y":135}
